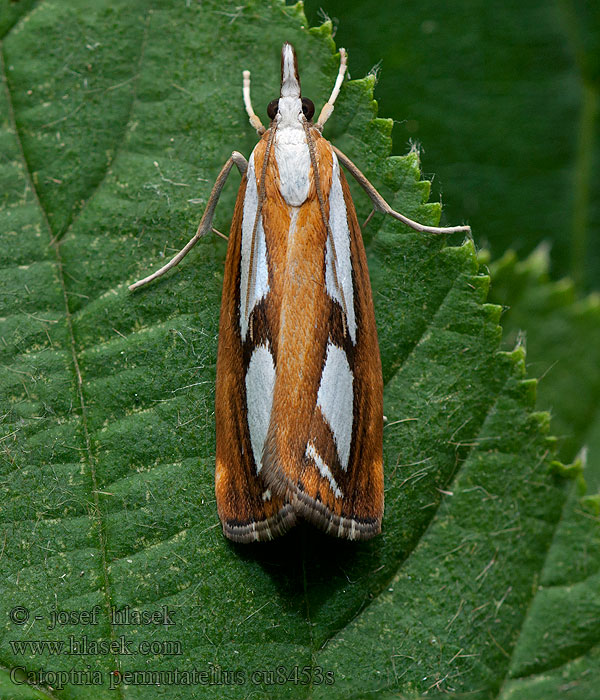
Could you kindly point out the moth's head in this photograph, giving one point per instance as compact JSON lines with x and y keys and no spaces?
{"x":291,"y":108}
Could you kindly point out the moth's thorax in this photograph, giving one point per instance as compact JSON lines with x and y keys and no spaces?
{"x":293,"y":161}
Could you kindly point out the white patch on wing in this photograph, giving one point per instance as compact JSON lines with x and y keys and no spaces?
{"x":336,"y":400}
{"x":260,"y":380}
{"x":324,"y":470}
{"x":338,"y":222}
{"x":260,"y":287}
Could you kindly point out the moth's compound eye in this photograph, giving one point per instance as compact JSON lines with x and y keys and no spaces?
{"x":308,"y":108}
{"x":272,"y":109}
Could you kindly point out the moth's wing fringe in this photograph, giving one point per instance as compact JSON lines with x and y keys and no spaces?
{"x":332,"y":524}
{"x":312,"y":510}
{"x":262,"y":530}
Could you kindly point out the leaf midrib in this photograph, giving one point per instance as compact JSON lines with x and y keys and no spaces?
{"x":54,"y":243}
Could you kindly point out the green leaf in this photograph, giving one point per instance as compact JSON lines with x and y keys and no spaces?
{"x":563,"y":347}
{"x":112,"y":129}
{"x":505,"y":101}
{"x":556,"y":654}
{"x":11,"y":11}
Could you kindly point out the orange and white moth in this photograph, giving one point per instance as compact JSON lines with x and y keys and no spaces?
{"x":299,"y":393}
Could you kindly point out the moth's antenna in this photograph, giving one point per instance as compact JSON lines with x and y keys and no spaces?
{"x":254,"y":118}
{"x":328,"y":106}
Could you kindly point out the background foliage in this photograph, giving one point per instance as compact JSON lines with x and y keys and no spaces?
{"x":485,"y":580}
{"x":504,"y":99}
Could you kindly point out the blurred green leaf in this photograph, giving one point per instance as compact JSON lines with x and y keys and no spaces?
{"x":562,"y":335}
{"x":505,"y":100}
{"x":556,"y":655}
{"x":112,"y":129}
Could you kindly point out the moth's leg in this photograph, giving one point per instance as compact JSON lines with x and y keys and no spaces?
{"x":366,"y":221}
{"x":221,"y":235}
{"x":328,"y":106}
{"x":205,"y":224}
{"x":379,"y":203}
{"x":254,"y":118}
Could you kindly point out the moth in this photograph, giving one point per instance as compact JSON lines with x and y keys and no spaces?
{"x":299,"y":390}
